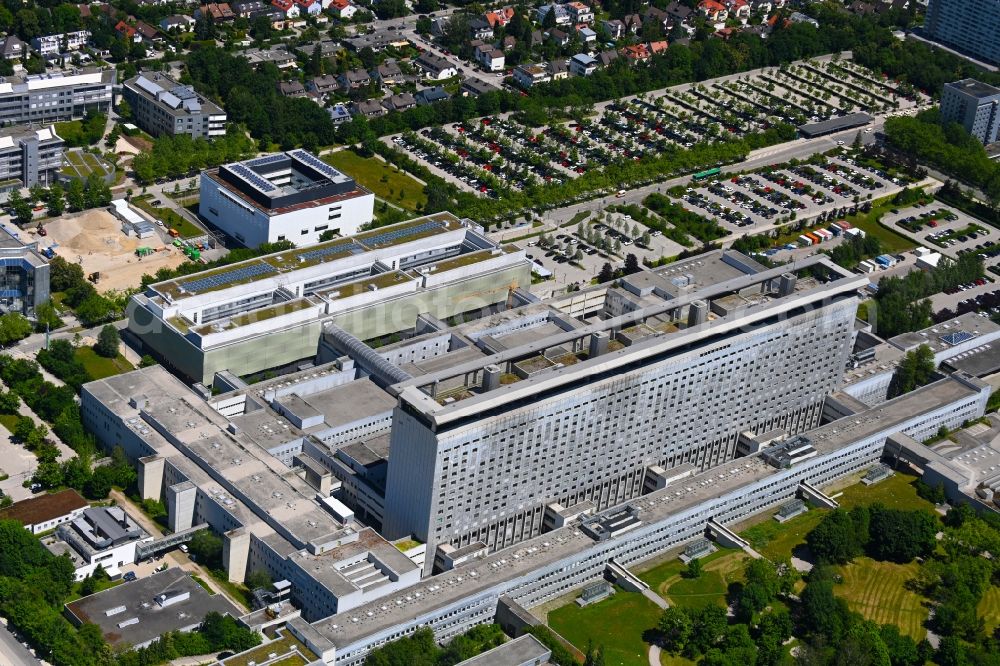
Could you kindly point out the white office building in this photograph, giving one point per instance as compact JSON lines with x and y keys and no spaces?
{"x":292,"y":196}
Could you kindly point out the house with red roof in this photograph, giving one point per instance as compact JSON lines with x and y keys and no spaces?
{"x":288,"y":8}
{"x":310,"y":7}
{"x":636,"y":52}
{"x":342,"y":8}
{"x":658,"y":47}
{"x":127,"y":32}
{"x":713,"y":10}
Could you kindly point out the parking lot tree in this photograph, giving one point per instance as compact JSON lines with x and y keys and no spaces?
{"x":607,"y":273}
{"x":631,"y":261}
{"x":9,"y":402}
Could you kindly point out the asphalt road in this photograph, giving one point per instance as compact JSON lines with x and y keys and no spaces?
{"x":12,"y":652}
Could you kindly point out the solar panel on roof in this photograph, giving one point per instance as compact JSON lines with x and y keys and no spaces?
{"x":318,"y":164}
{"x":260,"y":183}
{"x":222,"y":279}
{"x":388,"y":237}
{"x":147,"y":85}
{"x":333,"y":249}
{"x":184,"y":92}
{"x":957,"y":338}
{"x":267,"y":159}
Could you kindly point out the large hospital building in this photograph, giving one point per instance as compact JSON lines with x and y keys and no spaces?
{"x":440,"y":448}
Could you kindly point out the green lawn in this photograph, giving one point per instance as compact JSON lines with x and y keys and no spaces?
{"x":8,"y":421}
{"x":170,"y":217}
{"x":897,"y":492}
{"x":617,"y":623}
{"x":385,"y":180}
{"x":989,"y":608}
{"x":721,"y":568}
{"x":99,"y":367}
{"x":775,"y":540}
{"x":879,"y":592}
{"x":891,"y":241}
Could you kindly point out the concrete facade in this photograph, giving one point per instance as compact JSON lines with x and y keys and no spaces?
{"x":44,"y":98}
{"x":973,"y":105}
{"x":160,"y":106}
{"x":972,"y":26}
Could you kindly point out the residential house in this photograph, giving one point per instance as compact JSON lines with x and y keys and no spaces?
{"x":562,"y":16}
{"x":127,"y":32}
{"x":149,"y":34}
{"x":288,"y":8}
{"x":342,"y":9}
{"x":614,"y":28}
{"x":799,"y":17}
{"x":13,"y":48}
{"x":177,"y":23}
{"x":309,"y":7}
{"x":439,"y":25}
{"x":324,"y":85}
{"x":636,"y":52}
{"x":369,"y":108}
{"x":713,"y":10}
{"x":291,"y":89}
{"x":738,"y":9}
{"x":490,"y":58}
{"x":583,"y":64}
{"x":558,"y":36}
{"x":436,"y":67}
{"x":527,"y":75}
{"x":558,"y":70}
{"x":431,"y":95}
{"x":537,"y":37}
{"x":400,"y":102}
{"x":216,"y":12}
{"x":328,"y":48}
{"x":353,"y":79}
{"x":475,"y":87}
{"x":633,"y":23}
{"x":658,"y":47}
{"x":499,"y":17}
{"x":249,"y":9}
{"x":388,"y":73}
{"x":509,"y":42}
{"x":377,"y":41}
{"x":657,"y":16}
{"x":52,"y":44}
{"x":580,"y":13}
{"x":339,"y":114}
{"x":607,"y":57}
{"x":479,"y":28}
{"x":678,"y":13}
{"x":587,"y":35}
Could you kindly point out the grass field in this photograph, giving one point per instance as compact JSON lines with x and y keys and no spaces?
{"x":8,"y":421}
{"x":385,"y":180}
{"x":719,"y":569}
{"x":775,"y":540}
{"x":878,"y":591}
{"x":869,"y":223}
{"x":168,"y":216}
{"x":617,"y":623}
{"x":897,"y":492}
{"x":989,"y":608}
{"x":99,"y":367}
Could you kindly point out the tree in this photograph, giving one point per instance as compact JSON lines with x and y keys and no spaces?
{"x":914,"y":370}
{"x":709,"y":625}
{"x":836,"y":539}
{"x":54,"y":200}
{"x":75,"y":196}
{"x":207,"y":548}
{"x":21,"y":208}
{"x":107,"y":342}
{"x":693,"y":570}
{"x":821,"y":612}
{"x":13,"y":327}
{"x":900,"y":536}
{"x":631,"y":264}
{"x":9,"y":402}
{"x":675,"y":628}
{"x":47,"y":317}
{"x":607,"y":274}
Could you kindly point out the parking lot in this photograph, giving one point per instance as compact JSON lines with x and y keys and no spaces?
{"x":948,"y":230}
{"x":495,"y":153}
{"x":576,"y":253}
{"x":758,"y":201}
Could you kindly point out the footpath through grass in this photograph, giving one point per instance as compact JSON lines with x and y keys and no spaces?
{"x":385,"y":180}
{"x":618,"y":623}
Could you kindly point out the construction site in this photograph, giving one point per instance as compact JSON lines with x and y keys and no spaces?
{"x":94,"y":240}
